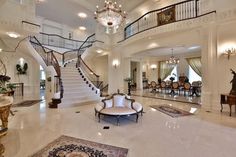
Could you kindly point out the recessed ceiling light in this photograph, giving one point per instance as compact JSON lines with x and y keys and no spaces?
{"x":13,"y":34}
{"x":82,"y":15}
{"x":0,"y":50}
{"x":40,"y":1}
{"x":82,"y":28}
{"x":99,"y":51}
{"x":193,"y":47}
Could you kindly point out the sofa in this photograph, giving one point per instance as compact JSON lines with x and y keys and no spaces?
{"x":118,"y":105}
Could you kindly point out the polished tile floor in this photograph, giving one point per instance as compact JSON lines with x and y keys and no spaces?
{"x":155,"y":135}
{"x":166,"y":96}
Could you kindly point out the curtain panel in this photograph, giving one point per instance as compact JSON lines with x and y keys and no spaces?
{"x":196,"y":64}
{"x":164,"y":69}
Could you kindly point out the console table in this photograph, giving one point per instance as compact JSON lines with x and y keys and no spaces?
{"x":227,"y":99}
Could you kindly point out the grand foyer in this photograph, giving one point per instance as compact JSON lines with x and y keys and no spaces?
{"x":208,"y":132}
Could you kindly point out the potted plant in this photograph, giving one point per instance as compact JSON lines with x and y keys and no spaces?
{"x":11,"y":88}
{"x":3,"y":80}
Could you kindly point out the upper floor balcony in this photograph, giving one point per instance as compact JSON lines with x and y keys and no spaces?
{"x":185,"y":14}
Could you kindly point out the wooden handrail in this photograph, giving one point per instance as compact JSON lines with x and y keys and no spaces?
{"x":31,"y":23}
{"x":46,"y":47}
{"x":159,"y":10}
{"x":187,"y":16}
{"x":106,"y":86}
{"x":92,"y":72}
{"x":51,"y":60}
{"x":85,"y":42}
{"x":56,"y":65}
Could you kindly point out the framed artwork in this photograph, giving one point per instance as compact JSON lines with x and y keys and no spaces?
{"x":166,"y":16}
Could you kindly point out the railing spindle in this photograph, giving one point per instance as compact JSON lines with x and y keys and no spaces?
{"x":183,"y":11}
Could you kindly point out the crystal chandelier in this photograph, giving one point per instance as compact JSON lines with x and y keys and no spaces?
{"x":172,"y":60}
{"x":111,"y":16}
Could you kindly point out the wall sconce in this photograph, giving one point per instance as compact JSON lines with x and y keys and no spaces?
{"x":115,"y":63}
{"x":230,"y":52}
{"x":153,"y":66}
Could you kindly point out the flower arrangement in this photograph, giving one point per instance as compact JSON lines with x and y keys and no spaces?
{"x":22,"y":70}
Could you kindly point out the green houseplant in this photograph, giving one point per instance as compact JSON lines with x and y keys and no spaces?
{"x":11,"y":87}
{"x":3,"y":80}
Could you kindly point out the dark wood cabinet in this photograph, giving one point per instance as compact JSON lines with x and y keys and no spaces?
{"x":227,"y":99}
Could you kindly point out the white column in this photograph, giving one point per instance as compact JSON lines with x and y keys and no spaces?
{"x":139,"y":78}
{"x":209,"y":67}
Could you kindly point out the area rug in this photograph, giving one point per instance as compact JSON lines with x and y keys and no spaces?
{"x":26,"y":103}
{"x":66,"y":146}
{"x":171,"y":111}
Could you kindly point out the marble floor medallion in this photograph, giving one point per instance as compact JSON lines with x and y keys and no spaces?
{"x":171,"y":111}
{"x":66,"y":146}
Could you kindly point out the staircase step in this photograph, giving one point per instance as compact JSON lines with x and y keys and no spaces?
{"x":76,"y":90}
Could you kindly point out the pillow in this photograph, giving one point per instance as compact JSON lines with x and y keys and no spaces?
{"x":108,"y":103}
{"x":119,"y":100}
{"x":127,"y":103}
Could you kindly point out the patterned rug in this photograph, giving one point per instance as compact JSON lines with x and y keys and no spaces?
{"x":26,"y":103}
{"x":66,"y":146}
{"x":171,"y":111}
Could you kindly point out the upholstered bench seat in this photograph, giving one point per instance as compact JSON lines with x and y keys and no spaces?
{"x":118,"y":105}
{"x":118,"y":111}
{"x":136,"y":106}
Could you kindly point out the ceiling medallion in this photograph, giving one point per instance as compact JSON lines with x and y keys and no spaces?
{"x":172,"y":60}
{"x":111,"y":16}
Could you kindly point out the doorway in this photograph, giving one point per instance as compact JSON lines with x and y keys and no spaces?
{"x":42,"y":82}
{"x":133,"y":75}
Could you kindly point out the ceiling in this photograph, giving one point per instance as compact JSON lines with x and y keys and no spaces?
{"x":164,"y":51}
{"x":65,"y":11}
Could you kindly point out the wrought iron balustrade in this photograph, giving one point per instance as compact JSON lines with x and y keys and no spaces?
{"x":181,"y":11}
{"x":58,"y":41}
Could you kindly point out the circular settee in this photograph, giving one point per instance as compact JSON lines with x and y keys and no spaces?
{"x":118,"y":105}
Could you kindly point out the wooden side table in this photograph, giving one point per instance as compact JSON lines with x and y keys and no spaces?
{"x":227,"y":99}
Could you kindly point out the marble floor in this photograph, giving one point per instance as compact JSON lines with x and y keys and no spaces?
{"x":165,"y":96}
{"x":206,"y":134}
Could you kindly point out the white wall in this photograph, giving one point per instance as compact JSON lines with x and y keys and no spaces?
{"x":51,"y":27}
{"x":226,"y":38}
{"x":31,"y":80}
{"x":99,"y":65}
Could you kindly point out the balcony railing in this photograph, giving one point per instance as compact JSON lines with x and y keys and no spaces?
{"x":58,"y":41}
{"x":50,"y":60}
{"x":89,"y":73}
{"x":69,"y":55}
{"x":185,"y":10}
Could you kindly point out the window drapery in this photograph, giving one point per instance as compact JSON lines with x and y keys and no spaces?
{"x":195,"y":64}
{"x":165,"y":69}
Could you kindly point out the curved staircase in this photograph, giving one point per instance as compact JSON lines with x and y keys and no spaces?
{"x":78,"y":90}
{"x":76,"y":86}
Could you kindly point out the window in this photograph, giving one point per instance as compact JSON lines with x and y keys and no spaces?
{"x":173,"y":74}
{"x":193,"y":76}
{"x":42,"y":73}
